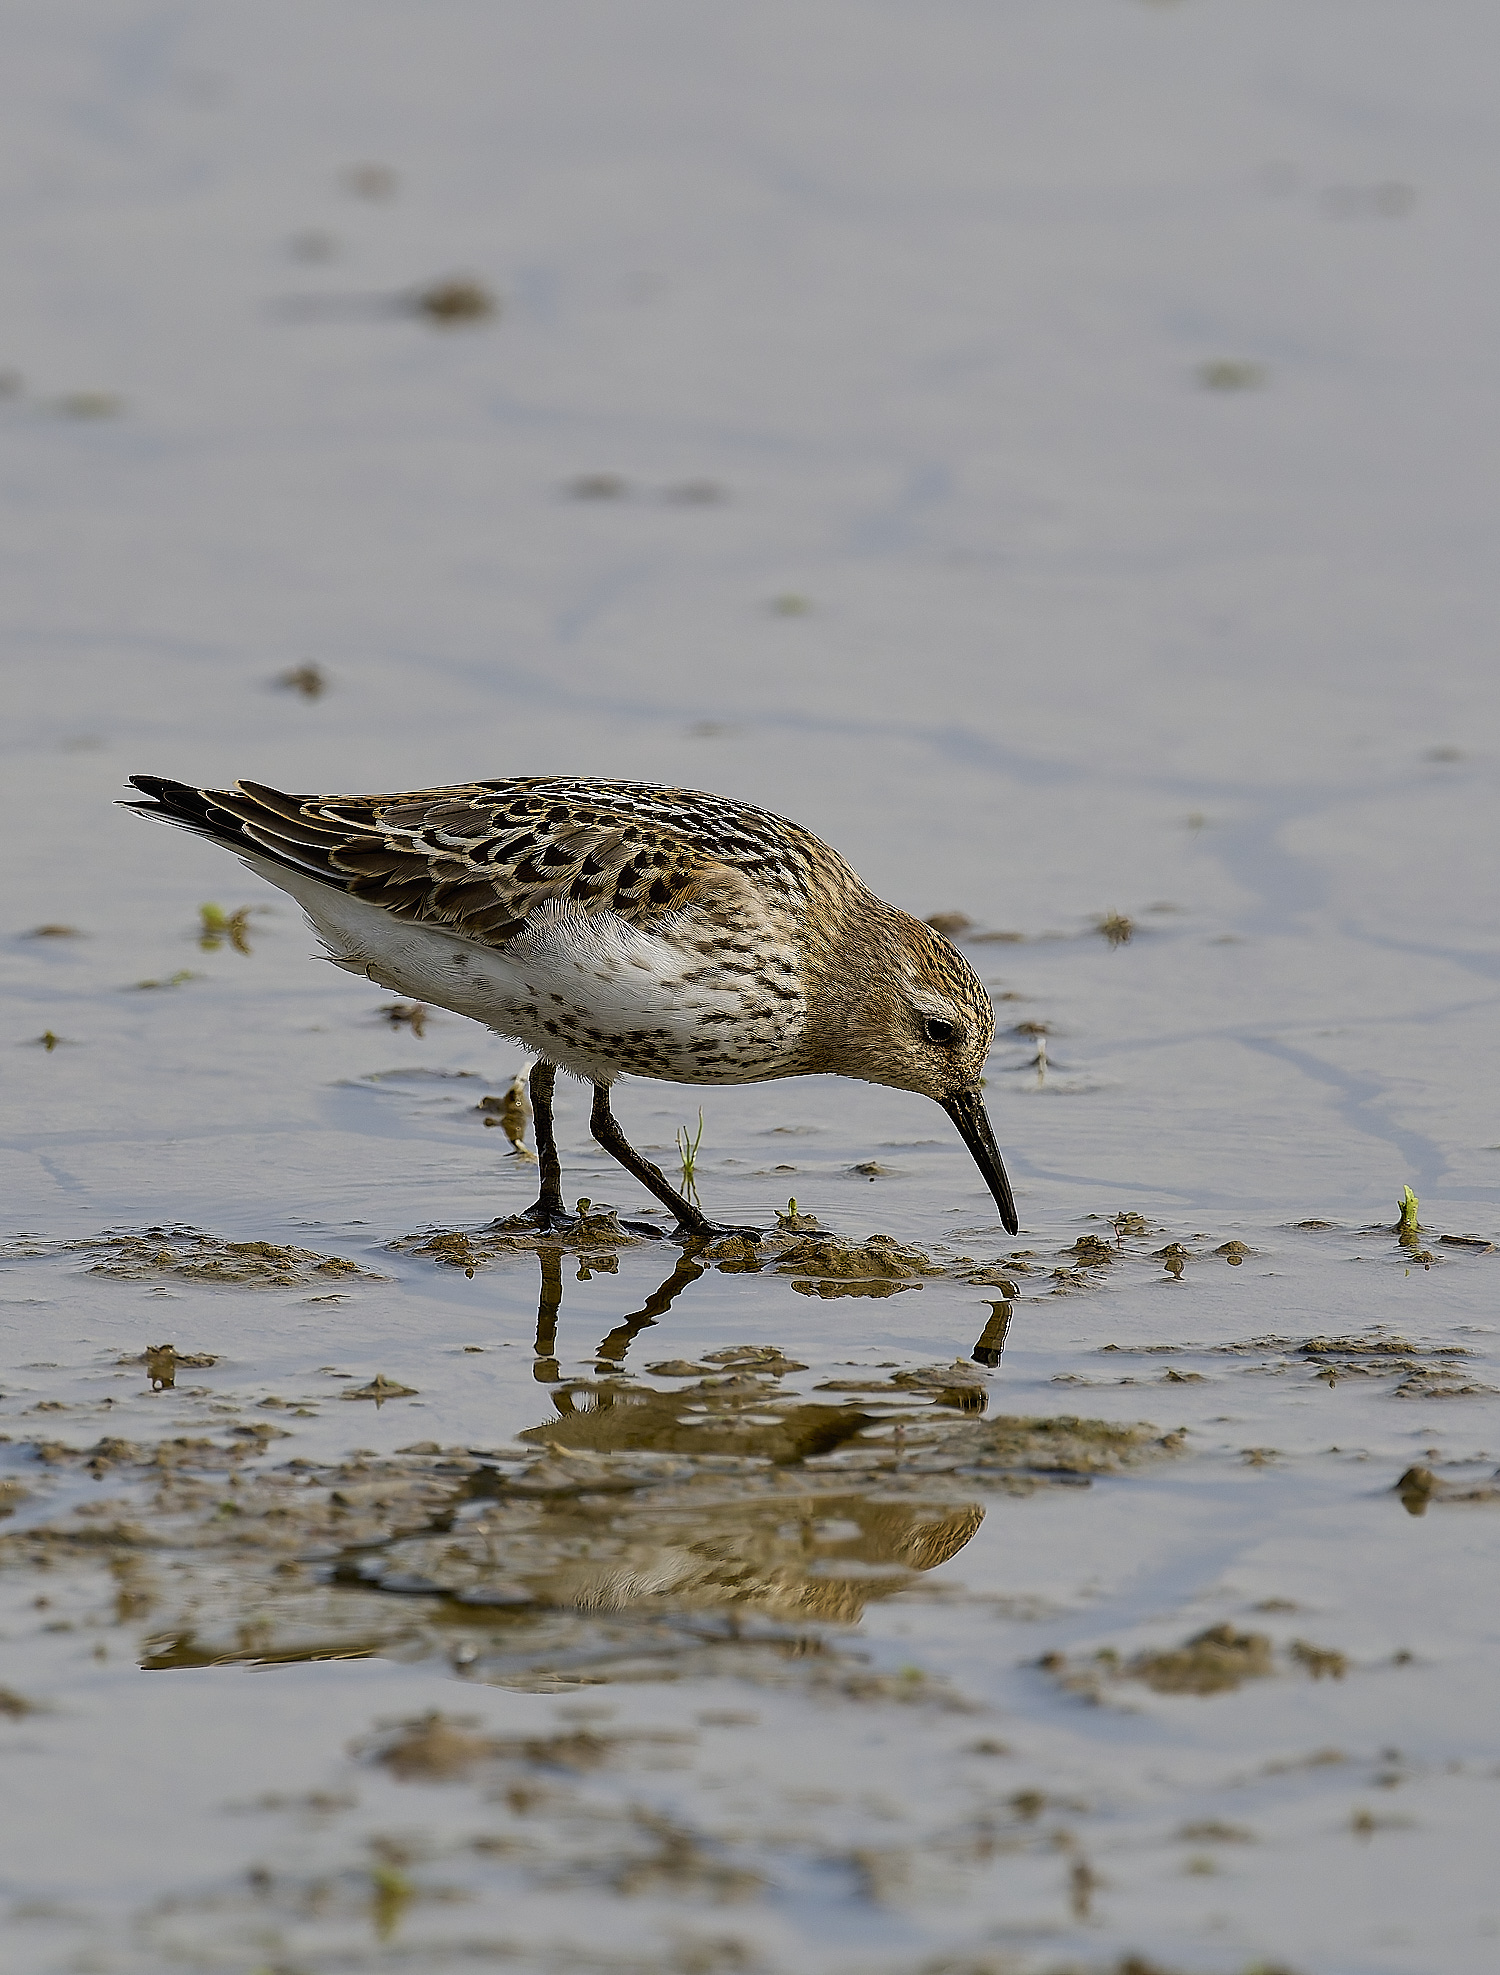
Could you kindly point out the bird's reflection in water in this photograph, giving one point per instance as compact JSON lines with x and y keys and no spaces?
{"x":611,"y":1352}
{"x":700,"y":1494}
{"x":651,"y":1526}
{"x":992,"y":1338}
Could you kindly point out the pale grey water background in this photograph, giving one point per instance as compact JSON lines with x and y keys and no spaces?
{"x":1007,"y":596}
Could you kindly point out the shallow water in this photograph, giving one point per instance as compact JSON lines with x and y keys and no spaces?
{"x":1040,"y":451}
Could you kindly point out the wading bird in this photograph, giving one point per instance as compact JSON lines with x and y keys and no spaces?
{"x":615,"y":928}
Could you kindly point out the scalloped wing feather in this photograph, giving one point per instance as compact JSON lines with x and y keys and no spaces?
{"x":480,"y":859}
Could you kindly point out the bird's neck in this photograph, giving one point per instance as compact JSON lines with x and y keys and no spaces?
{"x":855,"y":958}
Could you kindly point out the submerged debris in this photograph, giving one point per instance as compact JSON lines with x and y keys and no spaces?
{"x":407,"y":1014}
{"x":438,"y":1748}
{"x":164,"y":1361}
{"x":311,"y":681}
{"x":1217,"y":1661}
{"x":597,"y":487}
{"x":1320,"y":1661}
{"x":511,"y":1113}
{"x":458,"y":300}
{"x":1231,"y":374}
{"x":179,"y":979}
{"x":217,"y":926}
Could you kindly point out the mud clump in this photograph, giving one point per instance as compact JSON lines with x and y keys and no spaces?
{"x":438,"y":1748}
{"x":1065,"y":1444}
{"x":879,"y":1258}
{"x":1212,"y":1662}
{"x":1322,"y":1662}
{"x":1218,"y":1661}
{"x":1419,"y":1486}
{"x":381,"y":1388}
{"x":1365,"y":1347}
{"x":1440,"y":1382}
{"x":187,"y":1255}
{"x":453,"y":1249}
{"x":1092,"y":1253}
{"x":594,"y":1231}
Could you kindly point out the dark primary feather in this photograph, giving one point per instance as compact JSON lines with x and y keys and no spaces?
{"x":480,"y":857}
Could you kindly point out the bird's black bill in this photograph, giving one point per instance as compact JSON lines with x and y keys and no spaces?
{"x":968,"y":1113}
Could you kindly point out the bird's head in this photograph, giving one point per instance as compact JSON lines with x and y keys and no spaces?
{"x":922,"y":1021}
{"x":912,"y":1013}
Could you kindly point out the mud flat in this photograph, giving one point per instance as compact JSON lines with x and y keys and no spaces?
{"x":1038,"y":450}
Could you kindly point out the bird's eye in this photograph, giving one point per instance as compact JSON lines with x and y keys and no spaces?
{"x":937,"y":1030}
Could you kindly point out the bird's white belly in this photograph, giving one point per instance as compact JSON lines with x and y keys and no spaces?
{"x":590,"y":992}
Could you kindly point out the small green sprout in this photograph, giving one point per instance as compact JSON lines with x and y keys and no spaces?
{"x":687,"y":1152}
{"x":1406,"y":1212}
{"x":794,"y":1221}
{"x":391,"y":1893}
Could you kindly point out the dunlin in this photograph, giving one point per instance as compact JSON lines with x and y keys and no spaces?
{"x":615,"y":929}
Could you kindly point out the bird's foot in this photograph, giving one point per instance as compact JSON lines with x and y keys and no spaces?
{"x":552,"y":1217}
{"x":709,"y":1232}
{"x":545,"y":1217}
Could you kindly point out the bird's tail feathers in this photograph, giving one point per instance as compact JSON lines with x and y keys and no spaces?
{"x":247,"y":817}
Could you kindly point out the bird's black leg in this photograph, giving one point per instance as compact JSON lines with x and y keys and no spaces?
{"x":690,"y":1219}
{"x":611,"y":1353}
{"x":545,"y":1370}
{"x":549,"y":1211}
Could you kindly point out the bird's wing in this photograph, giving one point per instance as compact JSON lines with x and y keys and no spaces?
{"x":482,"y":857}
